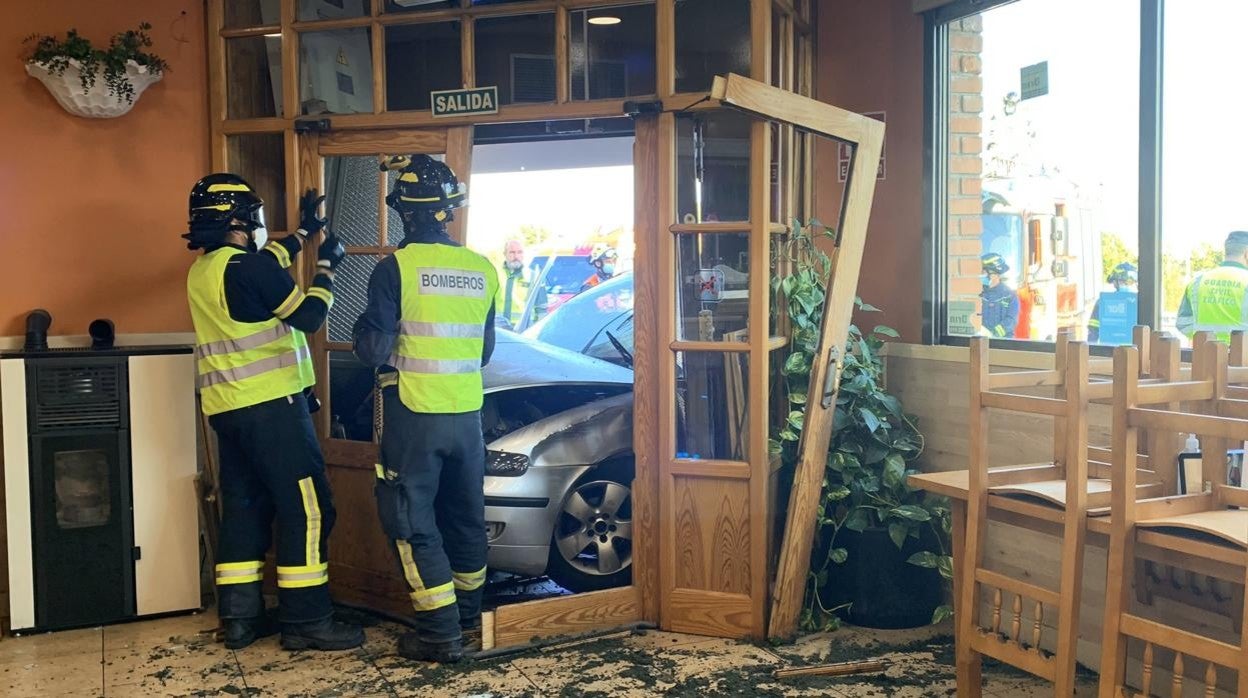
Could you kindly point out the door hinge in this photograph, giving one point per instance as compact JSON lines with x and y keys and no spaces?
{"x":137,"y":553}
{"x":313,"y":125}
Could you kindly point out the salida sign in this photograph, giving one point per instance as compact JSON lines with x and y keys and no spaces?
{"x":477,"y":100}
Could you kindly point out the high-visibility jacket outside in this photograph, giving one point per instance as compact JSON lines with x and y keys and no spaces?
{"x":446,"y":295}
{"x":513,"y":296}
{"x":240,"y":364}
{"x":1216,"y":301}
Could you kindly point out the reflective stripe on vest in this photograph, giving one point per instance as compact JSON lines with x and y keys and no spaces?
{"x":447,"y":293}
{"x":1218,"y":303}
{"x":293,"y":357}
{"x":240,"y":364}
{"x":513,"y":296}
{"x":442,"y":329}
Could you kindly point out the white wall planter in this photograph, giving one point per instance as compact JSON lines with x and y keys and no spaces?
{"x":95,"y":103}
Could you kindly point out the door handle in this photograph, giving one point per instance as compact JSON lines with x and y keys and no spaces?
{"x":831,"y":378}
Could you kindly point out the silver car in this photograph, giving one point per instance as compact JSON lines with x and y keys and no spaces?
{"x":559,"y":468}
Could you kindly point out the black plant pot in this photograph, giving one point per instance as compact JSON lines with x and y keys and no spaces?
{"x":883,"y":590}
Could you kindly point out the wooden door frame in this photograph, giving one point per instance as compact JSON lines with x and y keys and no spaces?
{"x":515,"y":623}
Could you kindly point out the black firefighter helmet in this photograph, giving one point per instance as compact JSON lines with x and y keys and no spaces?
{"x":426,"y":190}
{"x":216,"y":202}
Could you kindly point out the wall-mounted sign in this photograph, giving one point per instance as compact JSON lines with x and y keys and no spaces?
{"x":845,"y":153}
{"x":1119,"y":314}
{"x":478,"y":100}
{"x":1035,"y":80}
{"x":961,"y":318}
{"x":710,"y":285}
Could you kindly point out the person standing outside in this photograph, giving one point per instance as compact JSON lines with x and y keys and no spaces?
{"x":603,"y":259}
{"x":515,"y":290}
{"x":429,"y":329}
{"x":1125,"y":278}
{"x":255,"y":381}
{"x":999,"y":302}
{"x":1217,"y":300}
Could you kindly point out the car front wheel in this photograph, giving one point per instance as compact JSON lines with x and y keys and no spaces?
{"x":592,"y":544}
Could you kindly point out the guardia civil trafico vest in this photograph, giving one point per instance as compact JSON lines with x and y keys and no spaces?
{"x":446,"y":296}
{"x":1218,"y":302}
{"x":240,"y":364}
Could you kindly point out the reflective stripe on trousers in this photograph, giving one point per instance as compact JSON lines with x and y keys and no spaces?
{"x":303,"y":576}
{"x":468,"y":581}
{"x":255,"y":368}
{"x":312,"y":515}
{"x":423,"y":599}
{"x":240,"y":572}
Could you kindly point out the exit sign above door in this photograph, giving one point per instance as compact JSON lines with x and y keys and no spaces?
{"x":477,"y":100}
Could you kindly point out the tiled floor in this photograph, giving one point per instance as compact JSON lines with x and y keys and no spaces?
{"x":177,"y":657}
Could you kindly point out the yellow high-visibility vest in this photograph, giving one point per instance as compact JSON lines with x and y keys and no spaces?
{"x":446,"y":295}
{"x":1218,"y":302}
{"x":518,"y":298}
{"x":240,"y":364}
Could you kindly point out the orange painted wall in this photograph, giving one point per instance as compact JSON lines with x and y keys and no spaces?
{"x":91,"y":209}
{"x":871,"y":59}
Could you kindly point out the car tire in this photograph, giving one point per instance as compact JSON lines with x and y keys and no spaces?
{"x":595,"y":517}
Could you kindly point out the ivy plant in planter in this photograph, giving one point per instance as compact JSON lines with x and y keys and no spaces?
{"x":874,"y":529}
{"x":71,"y":69}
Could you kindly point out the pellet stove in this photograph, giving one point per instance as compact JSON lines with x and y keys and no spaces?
{"x":99,"y":480}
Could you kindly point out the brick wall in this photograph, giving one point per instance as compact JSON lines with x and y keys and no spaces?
{"x":966,"y":106}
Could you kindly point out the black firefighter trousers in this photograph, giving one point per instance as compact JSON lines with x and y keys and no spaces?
{"x":432,"y":505}
{"x":271,"y":467}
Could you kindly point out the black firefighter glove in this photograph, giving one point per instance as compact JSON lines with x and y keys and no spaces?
{"x":310,"y":220}
{"x":331,"y":252}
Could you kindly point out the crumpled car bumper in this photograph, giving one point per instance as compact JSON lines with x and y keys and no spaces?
{"x":520,"y":516}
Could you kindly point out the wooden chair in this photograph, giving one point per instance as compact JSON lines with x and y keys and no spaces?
{"x":1064,"y":480}
{"x":1054,"y":497}
{"x":1205,"y":531}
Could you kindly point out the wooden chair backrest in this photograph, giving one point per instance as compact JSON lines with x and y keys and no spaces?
{"x":1215,"y":419}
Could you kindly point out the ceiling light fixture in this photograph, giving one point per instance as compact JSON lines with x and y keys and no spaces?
{"x":276,"y":35}
{"x":604,"y":21}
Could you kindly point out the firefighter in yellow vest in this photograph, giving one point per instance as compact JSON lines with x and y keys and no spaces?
{"x":255,"y":380}
{"x":1217,"y":300}
{"x":429,"y":328}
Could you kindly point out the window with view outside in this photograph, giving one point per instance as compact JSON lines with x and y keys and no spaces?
{"x":1042,"y":156}
{"x":539,"y":213}
{"x":1204,"y":148}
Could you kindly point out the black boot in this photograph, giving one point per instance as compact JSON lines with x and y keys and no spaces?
{"x":243,"y":616}
{"x":412,"y":647}
{"x":327,"y":635}
{"x":241,"y":632}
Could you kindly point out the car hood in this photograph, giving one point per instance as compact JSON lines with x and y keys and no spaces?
{"x":520,"y":362}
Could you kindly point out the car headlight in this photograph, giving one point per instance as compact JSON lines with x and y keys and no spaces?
{"x":503,"y":464}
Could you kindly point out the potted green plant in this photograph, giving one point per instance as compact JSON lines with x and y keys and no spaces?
{"x":71,"y":69}
{"x":881,"y":551}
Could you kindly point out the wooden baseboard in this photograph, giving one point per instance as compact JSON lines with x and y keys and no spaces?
{"x":565,"y":615}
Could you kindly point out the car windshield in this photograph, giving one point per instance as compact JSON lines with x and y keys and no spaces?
{"x":578,"y":324}
{"x":566,"y":273}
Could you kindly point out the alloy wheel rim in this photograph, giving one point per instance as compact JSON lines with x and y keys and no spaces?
{"x":594,"y":533}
